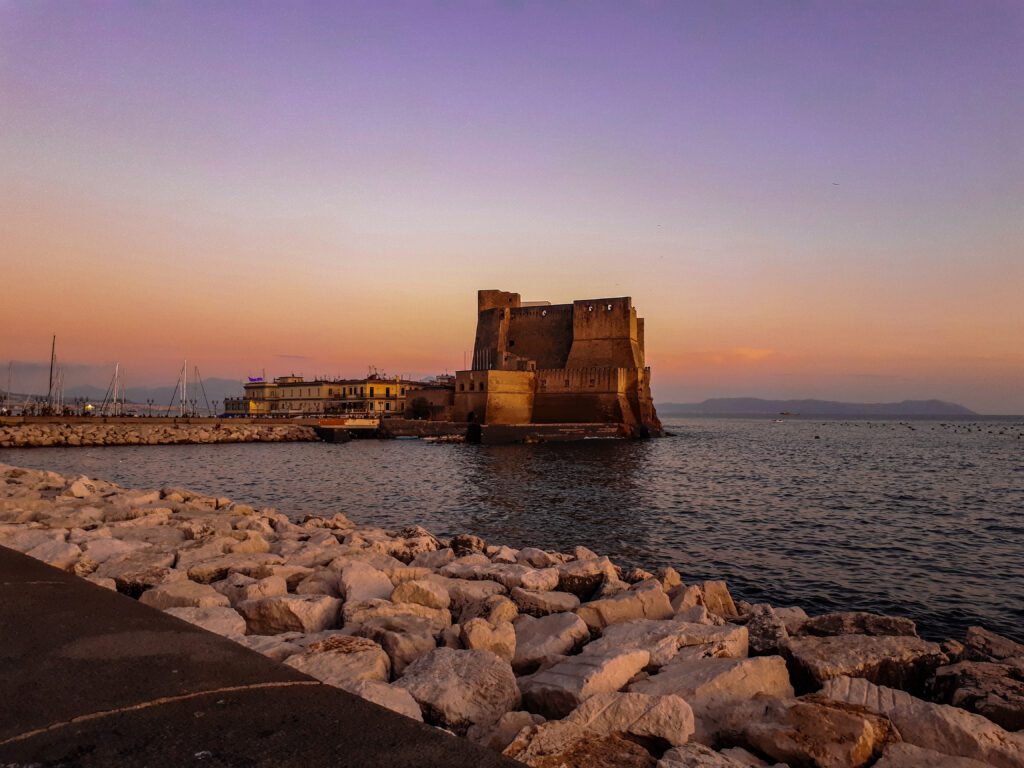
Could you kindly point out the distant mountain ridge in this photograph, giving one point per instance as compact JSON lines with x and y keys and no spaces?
{"x":755,"y":406}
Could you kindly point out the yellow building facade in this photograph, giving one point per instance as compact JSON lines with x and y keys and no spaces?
{"x":292,"y":396}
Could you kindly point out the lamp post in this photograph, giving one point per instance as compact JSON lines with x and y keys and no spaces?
{"x":149,"y":406}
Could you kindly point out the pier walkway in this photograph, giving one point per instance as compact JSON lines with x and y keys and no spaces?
{"x":89,"y":677}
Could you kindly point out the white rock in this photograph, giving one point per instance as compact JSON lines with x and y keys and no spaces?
{"x":940,"y":727}
{"x":457,"y":689}
{"x":665,"y":718}
{"x":481,"y":635}
{"x":556,"y":633}
{"x":217,"y":619}
{"x":421,"y":592}
{"x":664,"y":639}
{"x":556,"y":691}
{"x":360,"y":582}
{"x":290,"y":613}
{"x":343,"y":661}
{"x":540,"y":603}
{"x":712,"y":685}
{"x":388,"y":696}
{"x":183,"y":594}
{"x":650,"y":603}
{"x":238,"y":588}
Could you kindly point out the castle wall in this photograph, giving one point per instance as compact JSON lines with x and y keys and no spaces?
{"x":604,"y":333}
{"x":494,"y":397}
{"x":542,"y":334}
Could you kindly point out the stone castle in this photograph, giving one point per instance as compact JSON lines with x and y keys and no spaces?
{"x":542,"y":363}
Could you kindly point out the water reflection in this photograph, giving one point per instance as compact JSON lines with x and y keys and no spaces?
{"x":923,"y":520}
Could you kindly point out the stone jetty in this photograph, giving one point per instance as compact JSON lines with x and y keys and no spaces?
{"x":552,"y":658}
{"x":149,"y":432}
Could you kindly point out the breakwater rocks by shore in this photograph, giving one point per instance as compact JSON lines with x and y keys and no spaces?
{"x":553,"y":658}
{"x":39,"y":435}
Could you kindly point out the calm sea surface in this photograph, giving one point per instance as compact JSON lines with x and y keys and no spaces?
{"x":923,"y":519}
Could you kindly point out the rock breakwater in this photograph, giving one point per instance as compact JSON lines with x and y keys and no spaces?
{"x":553,"y":658}
{"x":40,"y":435}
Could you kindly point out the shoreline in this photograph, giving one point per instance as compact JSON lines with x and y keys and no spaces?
{"x":100,"y":432}
{"x":507,"y":647}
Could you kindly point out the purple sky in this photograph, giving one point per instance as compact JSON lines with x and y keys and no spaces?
{"x":821,"y":199}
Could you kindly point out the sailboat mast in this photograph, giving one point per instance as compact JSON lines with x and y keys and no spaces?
{"x":184,"y":387}
{"x":53,"y":358}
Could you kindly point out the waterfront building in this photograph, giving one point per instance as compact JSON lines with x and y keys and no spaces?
{"x":291,"y":396}
{"x":542,"y":363}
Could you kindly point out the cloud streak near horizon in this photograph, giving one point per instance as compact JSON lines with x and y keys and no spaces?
{"x":804,"y":200}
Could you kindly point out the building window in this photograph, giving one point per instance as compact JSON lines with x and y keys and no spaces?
{"x":371,"y":391}
{"x":481,"y":386}
{"x":387,"y":406}
{"x":387,"y":391}
{"x":462,"y":387}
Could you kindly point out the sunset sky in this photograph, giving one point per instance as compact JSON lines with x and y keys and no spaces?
{"x":804,"y":199}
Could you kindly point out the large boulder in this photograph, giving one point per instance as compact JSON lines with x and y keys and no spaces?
{"x":537,"y":603}
{"x":766,"y":630}
{"x":388,"y":696}
{"x":694,"y":755}
{"x":940,"y":727}
{"x":858,"y":623}
{"x":807,"y":732}
{"x":355,"y":615}
{"x":718,"y":600}
{"x":550,"y":635}
{"x":343,"y":661}
{"x":183,"y":594}
{"x":499,"y":735}
{"x":457,"y":689}
{"x":982,"y":645}
{"x":987,"y":688}
{"x":255,"y":564}
{"x":568,"y":745}
{"x":59,"y":554}
{"x":217,"y":619}
{"x":138,"y":571}
{"x":508,"y":575}
{"x":481,"y":635}
{"x":403,"y":638}
{"x":360,"y":581}
{"x":903,"y":755}
{"x":711,"y":686}
{"x":238,"y":588}
{"x":556,"y":691}
{"x":463,"y":593}
{"x":495,"y":609}
{"x":646,"y":602}
{"x":896,"y":661}
{"x":422,"y":592}
{"x":664,"y":639}
{"x":583,"y":577}
{"x":290,"y":613}
{"x":657,"y":719}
